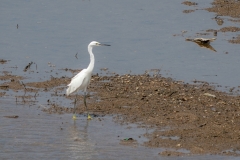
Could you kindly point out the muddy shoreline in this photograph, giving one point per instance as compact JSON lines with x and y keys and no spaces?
{"x":195,"y":117}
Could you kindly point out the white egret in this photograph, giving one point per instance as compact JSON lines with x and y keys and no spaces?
{"x":82,"y":79}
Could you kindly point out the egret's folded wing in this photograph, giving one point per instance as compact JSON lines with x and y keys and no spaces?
{"x":76,"y":82}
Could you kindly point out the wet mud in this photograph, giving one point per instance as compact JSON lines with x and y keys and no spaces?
{"x":226,"y":8}
{"x":194,"y":117}
{"x":225,"y":11}
{"x":188,"y":3}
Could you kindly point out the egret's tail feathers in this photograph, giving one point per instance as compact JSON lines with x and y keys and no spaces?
{"x":67,"y":92}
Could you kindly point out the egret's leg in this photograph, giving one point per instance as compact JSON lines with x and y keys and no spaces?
{"x":74,"y":109}
{"x":89,"y":117}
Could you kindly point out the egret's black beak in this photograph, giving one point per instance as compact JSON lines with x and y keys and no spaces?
{"x":104,"y":44}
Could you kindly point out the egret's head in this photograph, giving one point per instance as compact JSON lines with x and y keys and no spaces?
{"x":95,"y":43}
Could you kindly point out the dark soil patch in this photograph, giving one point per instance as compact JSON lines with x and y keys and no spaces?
{"x":235,"y":40}
{"x":229,"y":29}
{"x":229,"y":8}
{"x":188,"y":3}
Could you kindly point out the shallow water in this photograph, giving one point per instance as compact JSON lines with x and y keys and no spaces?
{"x":141,"y":35}
{"x":51,"y":33}
{"x":38,"y":135}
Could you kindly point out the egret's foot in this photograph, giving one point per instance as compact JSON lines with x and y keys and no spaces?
{"x":74,"y":117}
{"x":89,"y":117}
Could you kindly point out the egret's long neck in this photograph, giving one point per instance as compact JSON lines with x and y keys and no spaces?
{"x":91,"y":64}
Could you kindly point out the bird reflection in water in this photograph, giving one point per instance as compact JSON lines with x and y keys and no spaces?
{"x":80,"y":147}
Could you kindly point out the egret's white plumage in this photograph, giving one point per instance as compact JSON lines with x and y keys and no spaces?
{"x":79,"y":82}
{"x":82,"y":79}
